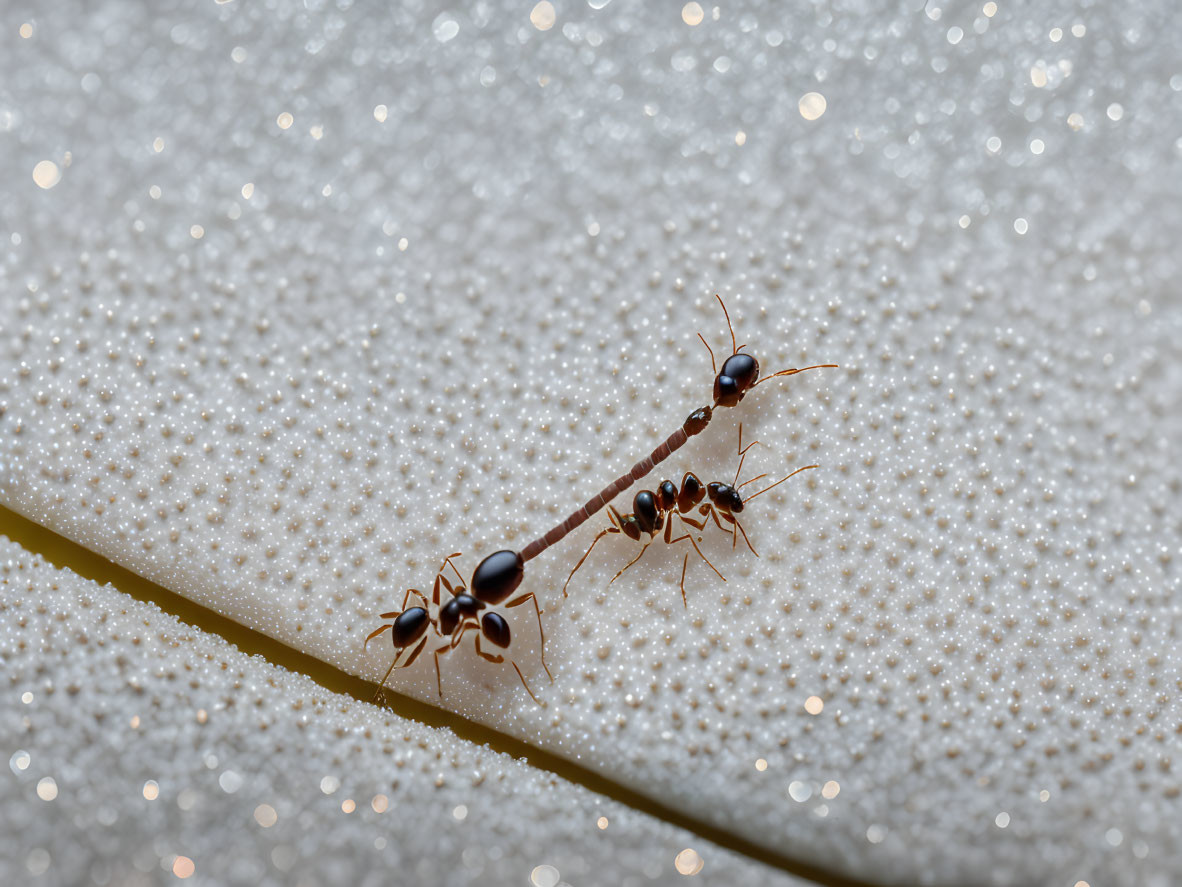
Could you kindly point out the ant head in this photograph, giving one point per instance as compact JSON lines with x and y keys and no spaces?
{"x":497,"y":576}
{"x":631,"y":526}
{"x":739,"y":373}
{"x":495,"y":629}
{"x":409,"y":627}
{"x":725,"y":497}
{"x":648,"y":518}
{"x":450,"y":614}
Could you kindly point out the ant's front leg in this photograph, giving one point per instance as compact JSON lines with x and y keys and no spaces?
{"x":415,"y":651}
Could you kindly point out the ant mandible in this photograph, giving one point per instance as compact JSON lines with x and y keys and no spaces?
{"x":653,"y":511}
{"x":739,"y":374}
{"x":494,"y":579}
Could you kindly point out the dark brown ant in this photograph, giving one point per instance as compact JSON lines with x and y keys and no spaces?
{"x":652,"y":512}
{"x":494,"y":579}
{"x":739,"y":374}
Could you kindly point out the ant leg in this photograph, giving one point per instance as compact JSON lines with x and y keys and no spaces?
{"x":417,"y":649}
{"x":422,"y":597}
{"x":447,"y":563}
{"x":684,"y":564}
{"x":469,"y":622}
{"x":745,"y":539}
{"x":524,"y":684}
{"x":376,"y":632}
{"x":696,"y":524}
{"x":541,"y":634}
{"x":381,"y":690}
{"x":584,"y":557}
{"x":491,"y":658}
{"x":710,"y":511}
{"x":631,"y":562}
{"x":438,"y":678}
{"x":702,"y":556}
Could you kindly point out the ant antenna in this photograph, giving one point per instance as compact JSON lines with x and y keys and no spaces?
{"x":743,"y":455}
{"x":751,"y":481}
{"x":793,"y":372}
{"x":734,"y":348}
{"x":713,"y":365}
{"x":780,"y":481}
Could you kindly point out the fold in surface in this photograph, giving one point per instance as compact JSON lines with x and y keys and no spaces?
{"x":141,"y":748}
{"x":324,"y":292}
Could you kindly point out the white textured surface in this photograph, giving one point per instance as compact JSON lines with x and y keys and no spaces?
{"x":293,"y":418}
{"x":133,"y":739}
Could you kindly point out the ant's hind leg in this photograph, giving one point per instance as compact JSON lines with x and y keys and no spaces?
{"x":702,"y":556}
{"x":585,"y":556}
{"x":541,"y":634}
{"x":524,"y":684}
{"x":630,"y":563}
{"x":498,"y":659}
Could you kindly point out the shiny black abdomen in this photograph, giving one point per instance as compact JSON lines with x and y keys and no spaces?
{"x":497,"y":576}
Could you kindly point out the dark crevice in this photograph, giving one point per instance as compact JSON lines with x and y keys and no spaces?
{"x":63,"y":553}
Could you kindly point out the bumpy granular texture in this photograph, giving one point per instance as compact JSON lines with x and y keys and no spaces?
{"x":139,"y":746}
{"x":315,"y":297}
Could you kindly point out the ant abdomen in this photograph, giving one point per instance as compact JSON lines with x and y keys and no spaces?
{"x":497,"y":576}
{"x":495,"y":629}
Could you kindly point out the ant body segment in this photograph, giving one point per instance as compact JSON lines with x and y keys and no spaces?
{"x":739,"y":374}
{"x":493,"y":581}
{"x":654,"y":511}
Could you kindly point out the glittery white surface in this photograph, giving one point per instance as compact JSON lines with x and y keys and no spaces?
{"x":460,"y":294}
{"x":133,"y":739}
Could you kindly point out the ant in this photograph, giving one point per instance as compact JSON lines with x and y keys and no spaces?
{"x":739,"y":374}
{"x":653,"y":511}
{"x":494,"y":579}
